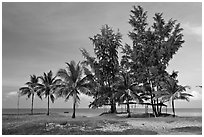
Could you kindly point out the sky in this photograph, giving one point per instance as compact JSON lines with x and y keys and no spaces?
{"x":38,"y":37}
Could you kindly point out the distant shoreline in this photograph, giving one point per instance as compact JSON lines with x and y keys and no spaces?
{"x":182,"y":112}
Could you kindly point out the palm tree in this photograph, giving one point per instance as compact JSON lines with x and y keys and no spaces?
{"x":48,"y":87}
{"x":128,"y":90}
{"x":172,"y":91}
{"x":73,"y":83}
{"x":30,"y":90}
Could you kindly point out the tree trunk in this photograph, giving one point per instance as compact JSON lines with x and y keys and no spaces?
{"x":113,"y":107}
{"x":32,"y":104}
{"x":152,"y":101}
{"x":160,"y":109}
{"x":128,"y":109}
{"x":48,"y":103}
{"x":157,"y":106}
{"x":153,"y":106}
{"x":173,"y":108}
{"x":74,"y":108}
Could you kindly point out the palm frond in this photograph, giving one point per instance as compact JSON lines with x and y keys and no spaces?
{"x":49,"y":77}
{"x":73,"y":72}
{"x":69,"y":94}
{"x":39,"y":95}
{"x":25,"y":91}
{"x":186,"y":94}
{"x":78,"y":70}
{"x":56,"y":82}
{"x":29,"y":83}
{"x":43,"y":78}
{"x":52,"y":98}
{"x":63,"y":74}
{"x":60,"y":92}
{"x":77,"y":99}
{"x":86,"y":91}
{"x":183,"y":98}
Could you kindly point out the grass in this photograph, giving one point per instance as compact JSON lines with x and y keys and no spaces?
{"x":60,"y":125}
{"x":38,"y":129}
{"x":192,"y":129}
{"x":102,"y":125}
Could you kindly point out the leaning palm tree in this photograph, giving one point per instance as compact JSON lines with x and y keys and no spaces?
{"x":73,"y":83}
{"x":172,"y":91}
{"x":48,"y":86}
{"x":30,"y":89}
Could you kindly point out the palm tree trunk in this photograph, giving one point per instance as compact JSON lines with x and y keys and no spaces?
{"x":32,"y":104}
{"x":173,"y":108}
{"x":48,"y":103}
{"x":74,"y":107}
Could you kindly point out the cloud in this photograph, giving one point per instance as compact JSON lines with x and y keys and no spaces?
{"x":197,"y":95}
{"x":12,"y":93}
{"x":191,"y":29}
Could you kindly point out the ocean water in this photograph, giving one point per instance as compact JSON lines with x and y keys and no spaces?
{"x":187,"y":112}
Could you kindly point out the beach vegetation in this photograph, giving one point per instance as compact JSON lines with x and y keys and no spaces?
{"x":47,"y":87}
{"x":152,"y":49}
{"x":139,"y":76}
{"x":128,"y":90}
{"x":73,"y":83}
{"x":30,"y":90}
{"x":172,"y":91}
{"x":106,"y":66}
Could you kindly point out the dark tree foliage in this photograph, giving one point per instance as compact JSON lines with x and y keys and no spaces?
{"x":105,"y":65}
{"x":152,"y":49}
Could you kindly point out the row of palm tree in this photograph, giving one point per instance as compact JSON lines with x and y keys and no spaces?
{"x":69,"y":84}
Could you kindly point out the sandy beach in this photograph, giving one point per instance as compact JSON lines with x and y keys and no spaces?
{"x":108,"y":124}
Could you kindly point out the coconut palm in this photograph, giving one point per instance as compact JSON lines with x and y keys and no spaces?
{"x":30,"y":89}
{"x":172,"y":91}
{"x":48,"y":86}
{"x":73,"y":83}
{"x":128,"y":90}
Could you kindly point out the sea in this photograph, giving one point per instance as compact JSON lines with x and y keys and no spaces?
{"x":88,"y":112}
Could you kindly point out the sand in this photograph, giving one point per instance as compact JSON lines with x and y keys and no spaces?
{"x":110,"y":124}
{"x":165,"y":125}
